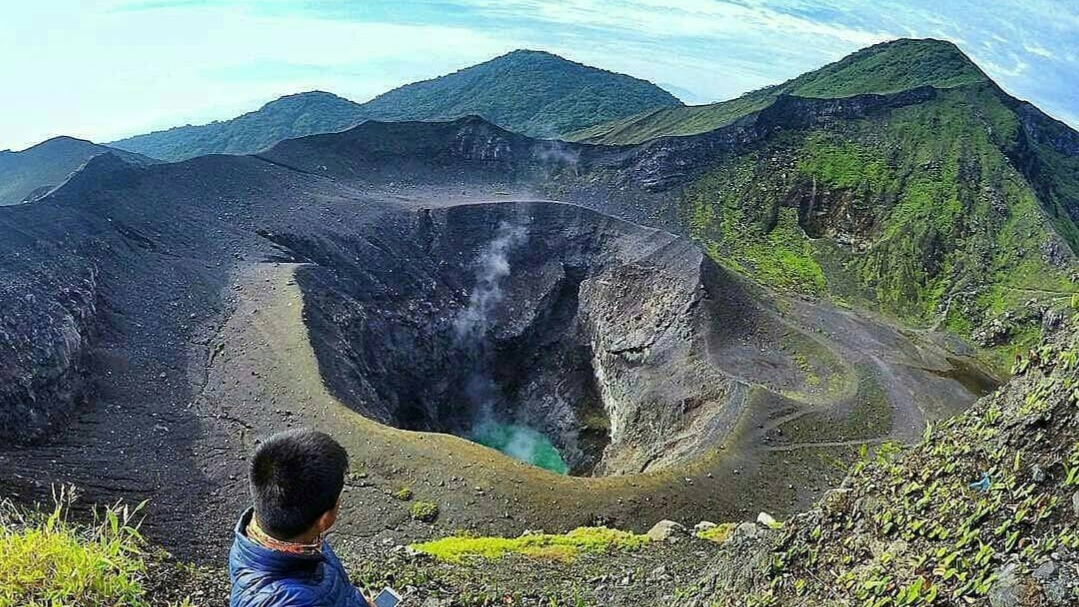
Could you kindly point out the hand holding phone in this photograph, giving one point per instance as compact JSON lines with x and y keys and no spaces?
{"x":387,"y":598}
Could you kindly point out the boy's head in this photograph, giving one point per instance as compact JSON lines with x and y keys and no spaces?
{"x":296,"y":482}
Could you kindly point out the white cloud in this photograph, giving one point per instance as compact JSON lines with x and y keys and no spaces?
{"x":1036,"y":49}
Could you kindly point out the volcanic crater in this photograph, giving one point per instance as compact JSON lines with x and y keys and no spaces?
{"x":194,"y":308}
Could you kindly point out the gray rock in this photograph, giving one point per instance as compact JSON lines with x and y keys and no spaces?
{"x":1045,"y":571}
{"x":703,"y":526}
{"x":1037,"y":474}
{"x":667,"y":531}
{"x":1010,"y":590}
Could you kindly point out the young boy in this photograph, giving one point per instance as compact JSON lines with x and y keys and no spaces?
{"x":279,"y":557}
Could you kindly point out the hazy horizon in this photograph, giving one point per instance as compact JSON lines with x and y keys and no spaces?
{"x":107,"y":69}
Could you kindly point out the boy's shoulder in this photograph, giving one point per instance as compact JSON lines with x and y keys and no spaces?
{"x":327,"y":585}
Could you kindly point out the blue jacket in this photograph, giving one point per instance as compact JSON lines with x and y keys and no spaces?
{"x":266,"y":578}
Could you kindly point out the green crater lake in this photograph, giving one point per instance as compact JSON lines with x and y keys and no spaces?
{"x":520,"y":442}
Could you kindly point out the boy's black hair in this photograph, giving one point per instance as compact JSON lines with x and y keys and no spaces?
{"x":296,"y":477}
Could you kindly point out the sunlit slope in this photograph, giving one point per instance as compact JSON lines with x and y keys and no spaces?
{"x":883,"y":68}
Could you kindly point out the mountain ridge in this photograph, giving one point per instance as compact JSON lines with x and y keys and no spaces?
{"x":885,"y":67}
{"x":28,"y":174}
{"x":534,"y":92}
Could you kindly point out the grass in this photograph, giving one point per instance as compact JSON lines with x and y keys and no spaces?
{"x":48,"y":561}
{"x":561,"y":547}
{"x":719,"y":533}
{"x":918,"y":214}
{"x":880,"y":69}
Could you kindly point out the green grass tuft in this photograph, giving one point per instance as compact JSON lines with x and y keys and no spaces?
{"x":46,"y":561}
{"x":719,"y":533}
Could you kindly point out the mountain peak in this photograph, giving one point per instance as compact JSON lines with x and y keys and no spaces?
{"x":59,"y":142}
{"x":532,"y":92}
{"x":315,"y":96}
{"x":889,"y":67}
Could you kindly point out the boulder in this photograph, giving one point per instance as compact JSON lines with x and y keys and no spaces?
{"x":703,"y":526}
{"x":668,"y":531}
{"x":767,"y":520}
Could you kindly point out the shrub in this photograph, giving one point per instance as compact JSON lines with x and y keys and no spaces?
{"x":424,"y":511}
{"x":404,"y":494}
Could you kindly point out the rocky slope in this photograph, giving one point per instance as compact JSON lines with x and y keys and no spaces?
{"x":29,"y":174}
{"x":984,"y":511}
{"x":854,"y":199}
{"x":530,"y":92}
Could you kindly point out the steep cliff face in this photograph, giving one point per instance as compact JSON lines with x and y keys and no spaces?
{"x":923,"y":211}
{"x":49,"y":324}
{"x":593,"y":331}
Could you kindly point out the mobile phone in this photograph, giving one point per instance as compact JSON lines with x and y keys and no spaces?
{"x":387,"y":598}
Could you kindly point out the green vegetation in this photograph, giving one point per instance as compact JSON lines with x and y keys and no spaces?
{"x":915,"y":527}
{"x":47,"y":561}
{"x":284,"y":118}
{"x":563,"y":547}
{"x":404,"y":494}
{"x":529,"y":92}
{"x":719,"y":533}
{"x":888,"y":67}
{"x":777,"y":254}
{"x":918,"y":213}
{"x":425,"y":512}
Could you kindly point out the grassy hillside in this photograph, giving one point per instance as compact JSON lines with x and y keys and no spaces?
{"x":48,"y":561}
{"x":920,"y":213}
{"x":529,"y":92}
{"x":883,"y":68}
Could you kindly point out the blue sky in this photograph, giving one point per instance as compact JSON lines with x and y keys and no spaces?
{"x":104,"y":69}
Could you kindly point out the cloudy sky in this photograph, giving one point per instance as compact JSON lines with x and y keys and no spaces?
{"x":105,"y":69}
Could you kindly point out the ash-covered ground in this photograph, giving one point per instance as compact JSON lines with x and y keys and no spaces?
{"x":159,"y":320}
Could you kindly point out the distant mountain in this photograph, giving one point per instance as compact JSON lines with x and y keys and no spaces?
{"x":30,"y":173}
{"x":530,"y":92}
{"x":883,"y":68}
{"x":284,"y":118}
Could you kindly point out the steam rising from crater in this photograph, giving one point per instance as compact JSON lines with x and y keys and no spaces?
{"x":472,"y":323}
{"x":472,"y":326}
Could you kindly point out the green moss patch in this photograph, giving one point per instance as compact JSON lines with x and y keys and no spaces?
{"x":719,"y":533}
{"x":538,"y":545}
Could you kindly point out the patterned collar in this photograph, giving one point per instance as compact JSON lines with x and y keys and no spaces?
{"x":260,"y":537}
